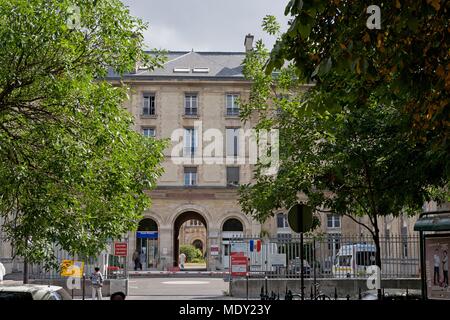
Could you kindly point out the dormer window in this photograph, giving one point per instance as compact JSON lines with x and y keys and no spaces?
{"x":181,"y":70}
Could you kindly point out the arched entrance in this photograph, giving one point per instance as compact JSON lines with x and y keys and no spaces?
{"x":232,"y":230}
{"x":147,"y":243}
{"x":198,"y":244}
{"x":179,"y":221}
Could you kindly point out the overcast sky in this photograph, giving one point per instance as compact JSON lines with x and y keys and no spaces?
{"x":205,"y":25}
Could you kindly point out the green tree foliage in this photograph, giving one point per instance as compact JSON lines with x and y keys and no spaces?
{"x":406,"y":63}
{"x":73,"y":172}
{"x":350,"y":161}
{"x":192,"y":253}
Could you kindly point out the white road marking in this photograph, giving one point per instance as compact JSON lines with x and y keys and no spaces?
{"x":185,"y":282}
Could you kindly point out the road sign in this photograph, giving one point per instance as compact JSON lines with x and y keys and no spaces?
{"x":238,"y":266}
{"x":72,"y":268}
{"x":120,"y":249}
{"x":147,"y":234}
{"x":300,"y":218}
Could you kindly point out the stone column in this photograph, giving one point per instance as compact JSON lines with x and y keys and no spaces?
{"x":213,"y":239}
{"x":131,"y":249}
{"x":165,"y":233}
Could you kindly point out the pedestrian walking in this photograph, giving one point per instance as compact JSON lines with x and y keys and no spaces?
{"x":97,"y":284}
{"x":182,"y":259}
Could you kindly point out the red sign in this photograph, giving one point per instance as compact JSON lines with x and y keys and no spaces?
{"x":239,"y":265}
{"x":120,"y":249}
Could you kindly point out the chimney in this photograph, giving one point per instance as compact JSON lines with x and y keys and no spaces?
{"x":248,"y":42}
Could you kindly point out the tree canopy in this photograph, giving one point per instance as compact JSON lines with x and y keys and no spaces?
{"x":347,"y":154}
{"x":73,"y":172}
{"x":405,"y":62}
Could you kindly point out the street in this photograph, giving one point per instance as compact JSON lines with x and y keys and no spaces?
{"x":177,"y":288}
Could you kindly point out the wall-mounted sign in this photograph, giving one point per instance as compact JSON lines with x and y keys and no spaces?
{"x":147,"y":234}
{"x":120,"y":249}
{"x":214,"y":250}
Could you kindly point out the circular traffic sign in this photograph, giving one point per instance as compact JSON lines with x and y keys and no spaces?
{"x":300,"y":218}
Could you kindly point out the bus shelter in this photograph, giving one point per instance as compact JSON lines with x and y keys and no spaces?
{"x":434,"y":229}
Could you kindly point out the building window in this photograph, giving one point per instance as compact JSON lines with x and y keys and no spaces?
{"x":190,"y":104}
{"x":232,"y":105}
{"x":232,"y":176}
{"x":149,"y":132}
{"x":282,"y":221}
{"x":190,"y":176}
{"x":334,"y":243}
{"x":232,"y":136}
{"x":148,"y":109}
{"x":190,"y":142}
{"x":333,"y":221}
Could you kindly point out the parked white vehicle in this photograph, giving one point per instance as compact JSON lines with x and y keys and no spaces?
{"x":32,"y":292}
{"x":353,"y":260}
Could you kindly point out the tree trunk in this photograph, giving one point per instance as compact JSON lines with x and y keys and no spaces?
{"x":25,"y":270}
{"x":376,"y":239}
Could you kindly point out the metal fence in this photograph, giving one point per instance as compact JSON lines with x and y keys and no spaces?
{"x":110,"y":265}
{"x":330,"y":256}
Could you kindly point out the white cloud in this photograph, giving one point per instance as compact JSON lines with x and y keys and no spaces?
{"x":205,"y":25}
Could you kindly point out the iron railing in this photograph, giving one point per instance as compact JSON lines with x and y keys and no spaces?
{"x":330,"y":256}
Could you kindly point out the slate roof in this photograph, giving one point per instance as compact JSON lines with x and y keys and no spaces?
{"x":219,"y":65}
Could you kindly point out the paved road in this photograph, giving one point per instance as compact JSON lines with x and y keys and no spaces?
{"x":177,"y":288}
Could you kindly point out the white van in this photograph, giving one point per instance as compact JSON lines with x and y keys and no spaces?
{"x":353,"y":260}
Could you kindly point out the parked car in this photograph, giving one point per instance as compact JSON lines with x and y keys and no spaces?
{"x":392,"y":294}
{"x":294,"y":267}
{"x":32,"y":292}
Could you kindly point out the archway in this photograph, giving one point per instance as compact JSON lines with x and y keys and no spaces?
{"x":179,"y":221}
{"x":233,"y":224}
{"x":232,"y":231}
{"x":147,"y":243}
{"x":198,"y":244}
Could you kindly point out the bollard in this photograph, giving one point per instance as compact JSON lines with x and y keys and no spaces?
{"x":266,"y":284}
{"x":359,"y":294}
{"x":84,"y":286}
{"x":311,"y":295}
{"x":348,"y":297}
{"x":335,"y":293}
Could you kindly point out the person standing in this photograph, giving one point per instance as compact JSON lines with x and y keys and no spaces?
{"x":182,"y":259}
{"x":437,"y":263}
{"x":97,"y":284}
{"x":445,"y":267}
{"x":143,"y":258}
{"x":2,"y":272}
{"x":137,"y":260}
